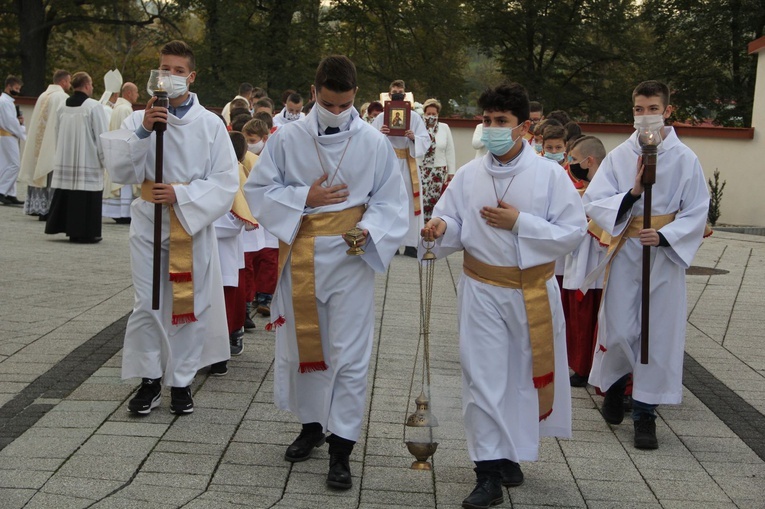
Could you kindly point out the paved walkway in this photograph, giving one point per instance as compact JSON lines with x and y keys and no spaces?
{"x":66,"y":440}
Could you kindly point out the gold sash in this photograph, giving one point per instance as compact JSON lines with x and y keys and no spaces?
{"x":533,"y":283}
{"x":403,"y":153}
{"x":3,"y":132}
{"x":306,"y":314}
{"x":239,"y":207}
{"x":631,"y":231}
{"x":181,"y":256}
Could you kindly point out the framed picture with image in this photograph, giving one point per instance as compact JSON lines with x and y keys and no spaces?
{"x":397,"y":117}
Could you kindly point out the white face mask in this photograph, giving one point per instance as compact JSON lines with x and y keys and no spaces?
{"x":329,"y":119}
{"x":648,"y":121}
{"x":256,"y":148}
{"x":180,"y":86}
{"x":291,"y":116}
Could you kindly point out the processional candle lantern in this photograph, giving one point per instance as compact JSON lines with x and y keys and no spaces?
{"x":160,"y":86}
{"x":418,"y":430}
{"x":649,"y":137}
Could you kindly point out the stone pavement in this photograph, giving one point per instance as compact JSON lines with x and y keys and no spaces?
{"x":66,"y":440}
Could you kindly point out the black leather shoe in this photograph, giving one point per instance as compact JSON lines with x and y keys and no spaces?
{"x":577,"y":380}
{"x":645,"y":433}
{"x":613,"y":405}
{"x":512,"y":475}
{"x":12,"y":200}
{"x":339,"y":476}
{"x":487,"y":492}
{"x":300,"y":449}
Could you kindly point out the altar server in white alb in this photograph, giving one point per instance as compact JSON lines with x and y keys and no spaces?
{"x":40,"y":149}
{"x":344,"y":176}
{"x":189,"y":330}
{"x":614,"y":200}
{"x":117,"y":198}
{"x":11,"y":132}
{"x":513,"y":214}
{"x":409,"y":148}
{"x":78,"y":172}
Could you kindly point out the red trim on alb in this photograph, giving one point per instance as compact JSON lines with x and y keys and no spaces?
{"x":310,"y":367}
{"x":545,"y":416}
{"x":602,"y":348}
{"x":244,"y":220}
{"x":597,"y":238}
{"x":709,"y":234}
{"x":276,"y":323}
{"x":180,"y":277}
{"x":184,"y":318}
{"x":541,"y":381}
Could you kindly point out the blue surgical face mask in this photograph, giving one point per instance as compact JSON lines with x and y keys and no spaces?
{"x":555,"y":157}
{"x":499,"y":140}
{"x":538,"y":148}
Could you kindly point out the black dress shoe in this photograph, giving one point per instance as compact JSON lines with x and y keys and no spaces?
{"x":410,"y":251}
{"x":300,"y":449}
{"x":4,"y":200}
{"x":577,"y":380}
{"x":645,"y":433}
{"x":613,"y":404}
{"x":512,"y":475}
{"x":12,"y":200}
{"x":339,"y":475}
{"x":487,"y":492}
{"x":85,"y":240}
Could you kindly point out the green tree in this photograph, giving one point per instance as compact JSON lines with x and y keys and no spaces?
{"x":421,"y":42}
{"x":576,"y":55}
{"x":700,"y":49}
{"x":40,"y":21}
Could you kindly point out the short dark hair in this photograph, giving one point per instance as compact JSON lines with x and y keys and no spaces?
{"x":286,"y":94}
{"x":590,"y":146}
{"x":539,"y":129}
{"x":245,"y":88}
{"x":652,"y":88}
{"x":12,"y":80}
{"x":240,"y":144}
{"x":60,"y":75}
{"x":572,"y":130}
{"x":294,"y":98}
{"x":265,"y":102}
{"x":535,"y":106}
{"x":510,"y":97}
{"x":259,"y":93}
{"x":180,"y":49}
{"x":336,"y":73}
{"x":553,"y":132}
{"x":560,"y":115}
{"x":397,"y":83}
{"x":265,"y":117}
{"x":240,"y":103}
{"x":238,"y":121}
{"x":80,"y":79}
{"x":375,"y":106}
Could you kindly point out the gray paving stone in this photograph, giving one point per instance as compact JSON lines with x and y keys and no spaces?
{"x":57,"y":501}
{"x":80,"y":487}
{"x":16,"y":498}
{"x":684,"y":490}
{"x":128,"y":446}
{"x":611,"y":490}
{"x":18,"y":478}
{"x":185,"y":481}
{"x":167,"y":495}
{"x":176,"y":463}
{"x":133,"y":429}
{"x":107,"y":467}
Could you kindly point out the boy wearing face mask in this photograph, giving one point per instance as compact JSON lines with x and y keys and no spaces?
{"x":513,"y":214}
{"x":614,"y":199}
{"x":344,"y":176}
{"x":188,"y":332}
{"x":292,"y":111}
{"x":409,"y":149}
{"x":554,"y":144}
{"x":11,"y":132}
{"x":586,"y":154}
{"x":261,"y":246}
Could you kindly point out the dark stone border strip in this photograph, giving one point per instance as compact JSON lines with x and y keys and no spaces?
{"x":741,"y":417}
{"x":21,"y":413}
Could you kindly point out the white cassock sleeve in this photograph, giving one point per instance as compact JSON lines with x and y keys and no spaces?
{"x":387,"y":214}
{"x":125,"y":154}
{"x":449,"y":208}
{"x":686,"y":232}
{"x":603,"y":197}
{"x":451,"y":161}
{"x":419,"y":147}
{"x":544,"y":239}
